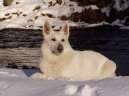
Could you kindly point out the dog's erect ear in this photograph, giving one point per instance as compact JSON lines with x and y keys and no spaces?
{"x":65,"y":29}
{"x":47,"y":28}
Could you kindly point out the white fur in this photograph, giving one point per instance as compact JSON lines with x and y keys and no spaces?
{"x":71,"y":64}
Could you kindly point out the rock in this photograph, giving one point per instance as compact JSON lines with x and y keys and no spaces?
{"x":93,"y":16}
{"x":123,"y":14}
{"x":112,"y":15}
{"x":88,"y":15}
{"x":103,"y":3}
{"x":127,"y":21}
{"x":99,"y":3}
{"x":76,"y":16}
{"x":91,"y":1}
{"x":7,"y":2}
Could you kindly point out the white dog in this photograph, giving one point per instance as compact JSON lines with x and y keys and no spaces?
{"x":59,"y":60}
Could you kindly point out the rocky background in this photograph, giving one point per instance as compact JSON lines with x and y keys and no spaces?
{"x":91,"y":12}
{"x":107,"y":11}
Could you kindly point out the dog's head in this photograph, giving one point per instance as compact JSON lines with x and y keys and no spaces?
{"x":56,"y":41}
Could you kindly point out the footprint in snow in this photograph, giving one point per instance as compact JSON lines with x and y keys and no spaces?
{"x":76,"y":90}
{"x":3,"y":86}
{"x":3,"y":73}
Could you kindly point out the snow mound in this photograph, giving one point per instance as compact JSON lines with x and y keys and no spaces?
{"x":85,"y":90}
{"x":93,"y":7}
{"x":88,"y":91}
{"x":4,"y":85}
{"x":71,"y":89}
{"x":117,"y":23}
{"x":35,"y":12}
{"x":121,"y":7}
{"x":23,"y":85}
{"x":31,"y":14}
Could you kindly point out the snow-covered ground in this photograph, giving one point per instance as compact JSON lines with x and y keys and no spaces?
{"x":31,"y":14}
{"x":14,"y":82}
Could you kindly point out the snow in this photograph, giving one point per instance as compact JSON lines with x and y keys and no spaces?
{"x":106,"y":10}
{"x":23,"y":85}
{"x":117,"y":23}
{"x":93,"y":7}
{"x":1,"y":3}
{"x":80,"y":90}
{"x":120,"y":24}
{"x":71,"y":89}
{"x":31,"y":14}
{"x":29,"y":17}
{"x":92,"y":25}
{"x":125,"y":27}
{"x":121,"y":7}
{"x":88,"y":91}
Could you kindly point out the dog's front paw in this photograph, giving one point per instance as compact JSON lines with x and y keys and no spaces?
{"x":39,"y":75}
{"x":62,"y":78}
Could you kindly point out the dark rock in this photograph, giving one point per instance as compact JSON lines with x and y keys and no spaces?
{"x":64,"y":17}
{"x":7,"y":2}
{"x":103,"y":3}
{"x":88,"y":15}
{"x":93,"y":16}
{"x":127,"y":21}
{"x":37,"y":8}
{"x":91,"y":1}
{"x":123,"y":14}
{"x":59,"y":2}
{"x":113,"y":15}
{"x":76,"y":17}
{"x":99,"y":3}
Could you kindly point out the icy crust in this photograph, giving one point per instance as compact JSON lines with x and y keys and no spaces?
{"x":20,"y":84}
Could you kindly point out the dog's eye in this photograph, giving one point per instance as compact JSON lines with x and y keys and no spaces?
{"x":53,"y":39}
{"x":62,"y":40}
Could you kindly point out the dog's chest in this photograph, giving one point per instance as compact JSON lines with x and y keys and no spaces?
{"x":54,"y":68}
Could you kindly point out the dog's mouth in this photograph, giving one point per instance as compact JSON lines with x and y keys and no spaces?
{"x":57,"y":52}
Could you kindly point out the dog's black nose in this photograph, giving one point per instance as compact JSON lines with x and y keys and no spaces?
{"x":60,"y":48}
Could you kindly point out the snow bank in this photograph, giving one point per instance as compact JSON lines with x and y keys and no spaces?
{"x":92,"y":25}
{"x":93,"y":7}
{"x":80,"y":90}
{"x":31,"y":14}
{"x":22,"y":85}
{"x":121,"y":7}
{"x":117,"y":23}
{"x":125,"y":27}
{"x":88,"y":91}
{"x":106,"y":10}
{"x":71,"y":89}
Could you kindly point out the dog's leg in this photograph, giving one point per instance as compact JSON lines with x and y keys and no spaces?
{"x":107,"y":70}
{"x":62,"y":78}
{"x":39,"y":75}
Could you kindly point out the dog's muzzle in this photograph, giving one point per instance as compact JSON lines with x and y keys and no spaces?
{"x":60,"y":48}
